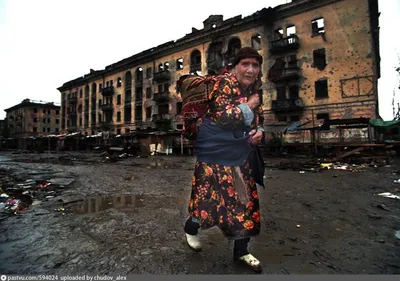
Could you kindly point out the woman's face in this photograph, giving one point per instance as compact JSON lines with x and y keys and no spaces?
{"x":247,"y":71}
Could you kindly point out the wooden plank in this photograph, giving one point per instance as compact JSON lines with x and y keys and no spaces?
{"x":349,"y":153}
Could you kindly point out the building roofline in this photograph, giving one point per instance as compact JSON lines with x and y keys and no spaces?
{"x":28,"y":102}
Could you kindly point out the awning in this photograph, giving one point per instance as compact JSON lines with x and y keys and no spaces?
{"x":381,"y":123}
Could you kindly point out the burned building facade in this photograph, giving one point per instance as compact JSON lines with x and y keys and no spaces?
{"x":33,"y":119}
{"x":321,"y":63}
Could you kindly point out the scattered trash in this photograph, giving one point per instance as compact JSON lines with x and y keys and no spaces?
{"x":302,"y":172}
{"x":298,"y":226}
{"x":389,"y":195}
{"x":326,"y":165}
{"x":39,"y":186}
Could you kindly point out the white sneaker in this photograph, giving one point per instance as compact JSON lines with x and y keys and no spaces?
{"x":193,"y":241}
{"x":251,"y":261}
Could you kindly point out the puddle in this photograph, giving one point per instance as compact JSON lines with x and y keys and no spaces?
{"x":103,"y":203}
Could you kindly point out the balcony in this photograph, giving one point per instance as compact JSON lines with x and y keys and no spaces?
{"x":138,"y":101}
{"x":107,"y":91}
{"x":289,"y":43}
{"x":139,"y":82}
{"x":72,"y":100}
{"x":162,"y":76}
{"x":128,"y":103}
{"x":287,"y":74}
{"x":107,"y":107}
{"x":161,"y":97}
{"x":160,"y":118}
{"x":295,"y":104}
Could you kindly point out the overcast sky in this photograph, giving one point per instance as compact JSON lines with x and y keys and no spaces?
{"x":44,"y":43}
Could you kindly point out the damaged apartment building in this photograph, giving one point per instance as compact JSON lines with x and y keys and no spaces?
{"x":321,"y":63}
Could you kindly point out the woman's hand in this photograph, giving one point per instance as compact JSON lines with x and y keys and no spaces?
{"x":253,"y":101}
{"x":255,"y":137}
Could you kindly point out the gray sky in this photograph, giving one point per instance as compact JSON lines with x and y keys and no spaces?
{"x":45,"y":43}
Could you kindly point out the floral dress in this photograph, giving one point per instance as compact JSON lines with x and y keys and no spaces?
{"x":226,"y":196}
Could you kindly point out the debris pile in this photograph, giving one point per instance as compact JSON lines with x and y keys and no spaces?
{"x":17,"y":196}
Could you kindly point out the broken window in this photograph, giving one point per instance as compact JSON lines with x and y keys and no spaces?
{"x":290,"y":30}
{"x":318,"y":26}
{"x":324,"y":116}
{"x":278,"y":34}
{"x":214,"y":57}
{"x":139,"y":94}
{"x":294,"y":92}
{"x":127,"y":115}
{"x":86,"y":91}
{"x":148,"y":72}
{"x":118,"y":116}
{"x":179,"y":64}
{"x":319,"y":59}
{"x":148,"y":112}
{"x":292,"y":61}
{"x":139,"y":74}
{"x":128,"y":96}
{"x":148,"y":93}
{"x":138,"y":113}
{"x":321,"y":89}
{"x":163,"y":109}
{"x":119,"y":82}
{"x":195,"y":61}
{"x":166,"y":66}
{"x":234,"y":46}
{"x":281,"y":93}
{"x":256,"y":42}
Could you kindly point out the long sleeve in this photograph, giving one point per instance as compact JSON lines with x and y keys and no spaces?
{"x":224,"y":104}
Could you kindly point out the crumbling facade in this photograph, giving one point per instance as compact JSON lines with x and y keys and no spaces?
{"x":321,"y":63}
{"x":33,"y":119}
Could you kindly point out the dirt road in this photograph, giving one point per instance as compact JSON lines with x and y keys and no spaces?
{"x":127,"y":217}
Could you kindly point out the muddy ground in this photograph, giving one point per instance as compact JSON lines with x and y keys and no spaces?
{"x":126,"y":217}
